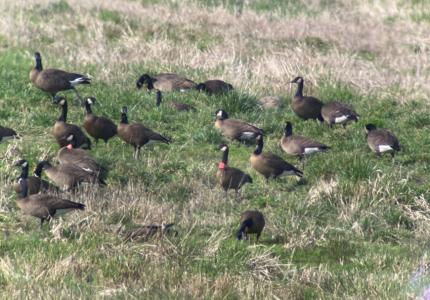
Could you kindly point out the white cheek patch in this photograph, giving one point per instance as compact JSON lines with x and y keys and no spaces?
{"x":62,"y":102}
{"x":25,"y":164}
{"x":312,"y":150}
{"x":247,"y":135}
{"x":77,"y":81}
{"x":224,"y":148}
{"x":341,"y":119}
{"x":219,"y":114}
{"x":89,"y":101}
{"x":385,"y":148}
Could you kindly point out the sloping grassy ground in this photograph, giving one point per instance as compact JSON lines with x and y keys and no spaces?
{"x":357,"y":227}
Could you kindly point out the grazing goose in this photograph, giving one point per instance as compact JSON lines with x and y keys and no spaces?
{"x":179,"y":106}
{"x":305,"y":107}
{"x":166,"y":82}
{"x":80,"y":158}
{"x":62,"y":129}
{"x":235,"y":129}
{"x":53,"y":81}
{"x":213,"y":87}
{"x":228,"y":177}
{"x":271,"y":165}
{"x":98,"y":127}
{"x":68,"y":176}
{"x":338,"y":113}
{"x":35,"y":183}
{"x":251,"y":221}
{"x":43,"y":206}
{"x":145,"y":232}
{"x":299,"y":145}
{"x":136,"y":134}
{"x":381,"y":140}
{"x":7,"y":134}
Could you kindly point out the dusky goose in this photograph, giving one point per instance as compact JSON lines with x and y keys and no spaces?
{"x":214,"y":87}
{"x":381,"y":140}
{"x":7,"y":133}
{"x":338,"y":113}
{"x":98,"y":127}
{"x":165,"y":82}
{"x":305,"y":107}
{"x":235,"y":129}
{"x":251,"y":222}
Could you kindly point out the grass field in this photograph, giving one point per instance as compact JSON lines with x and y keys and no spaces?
{"x":356,"y":228}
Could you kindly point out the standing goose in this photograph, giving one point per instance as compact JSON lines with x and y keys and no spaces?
{"x":299,"y":145}
{"x":251,"y":221}
{"x":43,"y":206}
{"x":228,"y":177}
{"x":165,"y":82}
{"x":338,"y":113}
{"x":136,"y":134}
{"x":235,"y":129}
{"x":179,"y":106}
{"x":98,"y":127}
{"x":68,"y":176}
{"x":305,"y":107}
{"x":53,"y":81}
{"x":7,"y":133}
{"x":62,"y":129}
{"x":381,"y":140}
{"x":35,"y":183}
{"x":271,"y":165}
{"x":213,"y":87}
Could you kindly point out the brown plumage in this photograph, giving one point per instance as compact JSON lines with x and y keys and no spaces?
{"x":7,"y":133}
{"x":43,"y":206}
{"x":213,"y":87}
{"x":179,"y":106}
{"x":68,"y":176}
{"x":270,"y":102}
{"x":98,"y":127}
{"x":145,"y":232}
{"x":299,"y":145}
{"x":165,"y":82}
{"x":270,"y":165}
{"x":381,"y":140}
{"x":53,"y":81}
{"x":305,"y":107}
{"x":136,"y":134}
{"x":35,"y":183}
{"x":62,"y":129}
{"x":228,"y":177}
{"x":338,"y":113}
{"x":235,"y":129}
{"x":251,"y":221}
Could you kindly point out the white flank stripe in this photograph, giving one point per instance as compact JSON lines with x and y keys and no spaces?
{"x":341,"y":119}
{"x":287,"y":173}
{"x":5,"y":138}
{"x":247,"y":135}
{"x":312,"y":150}
{"x":384,"y":148}
{"x":77,"y":81}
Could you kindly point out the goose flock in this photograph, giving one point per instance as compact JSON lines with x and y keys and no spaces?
{"x":39,"y":198}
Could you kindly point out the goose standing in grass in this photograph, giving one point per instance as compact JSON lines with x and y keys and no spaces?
{"x":235,"y":129}
{"x":228,"y":177}
{"x":62,"y":129}
{"x":165,"y":82}
{"x":136,"y":134}
{"x":214,"y":87}
{"x":53,"y":81}
{"x":270,"y":165}
{"x":98,"y":127}
{"x":381,"y":140}
{"x":298,"y":145}
{"x":338,"y":113}
{"x":7,"y":133}
{"x":179,"y":106}
{"x":35,"y":183}
{"x":305,"y":107}
{"x":43,"y":206}
{"x":251,"y":221}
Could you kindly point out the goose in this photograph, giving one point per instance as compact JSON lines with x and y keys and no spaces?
{"x":53,"y":81}
{"x":305,"y":107}
{"x":338,"y":113}
{"x":98,"y":127}
{"x":381,"y":140}
{"x":165,"y":82}
{"x":270,"y":165}
{"x":235,"y":129}
{"x":179,"y":106}
{"x":35,"y":183}
{"x":62,"y":129}
{"x":270,"y":102}
{"x":213,"y":87}
{"x":229,"y":177}
{"x":251,"y":221}
{"x":43,"y":206}
{"x":136,"y":134}
{"x":299,"y":145}
{"x":7,"y":133}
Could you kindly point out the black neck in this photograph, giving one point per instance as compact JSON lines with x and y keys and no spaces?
{"x":159,"y":97}
{"x":299,"y":92}
{"x":24,"y":171}
{"x":150,"y":83}
{"x":124,"y":119}
{"x":63,"y":116}
{"x":259,"y":148}
{"x":38,"y":171}
{"x":225,"y":156}
{"x":88,"y":108}
{"x":288,"y":131}
{"x":23,"y":182}
{"x":39,"y":64}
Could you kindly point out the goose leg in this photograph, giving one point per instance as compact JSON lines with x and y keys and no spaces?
{"x":78,"y":96}
{"x":41,"y":222}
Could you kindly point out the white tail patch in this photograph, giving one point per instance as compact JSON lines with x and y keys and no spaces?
{"x":341,"y":119}
{"x":62,"y":211}
{"x":385,"y":148}
{"x":5,"y":138}
{"x":78,"y":81}
{"x":287,"y":173}
{"x":312,"y":150}
{"x":247,"y":135}
{"x":88,"y":170}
